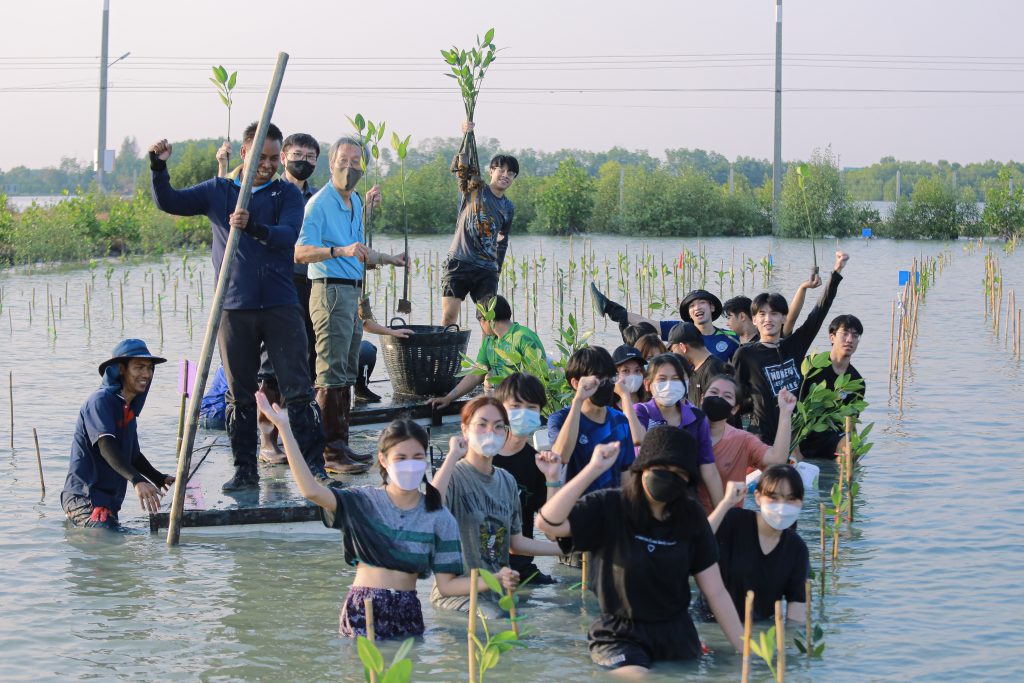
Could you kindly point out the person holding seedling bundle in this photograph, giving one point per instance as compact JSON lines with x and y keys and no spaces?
{"x":646,"y":540}
{"x":393,"y":534}
{"x":666,"y":380}
{"x":481,"y":235}
{"x":760,"y":550}
{"x":260,"y":303}
{"x":331,"y":242}
{"x":485,"y":500}
{"x":699,"y":307}
{"x":765,"y":367}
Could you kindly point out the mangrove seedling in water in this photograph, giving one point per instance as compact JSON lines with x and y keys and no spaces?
{"x":803,"y":171}
{"x":401,"y":148}
{"x":824,"y":409}
{"x":468,"y":68}
{"x":488,"y":652}
{"x":224,"y":84}
{"x":764,"y":647}
{"x":400,"y":670}
{"x":817,"y":645}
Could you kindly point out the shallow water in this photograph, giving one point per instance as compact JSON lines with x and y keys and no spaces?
{"x":927,"y":588}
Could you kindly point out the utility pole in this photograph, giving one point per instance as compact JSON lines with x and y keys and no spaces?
{"x":101,"y":145}
{"x":777,"y":161}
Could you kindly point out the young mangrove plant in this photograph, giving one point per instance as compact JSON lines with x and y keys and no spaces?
{"x":225,"y":84}
{"x":401,"y":148}
{"x":468,"y":68}
{"x":400,"y":670}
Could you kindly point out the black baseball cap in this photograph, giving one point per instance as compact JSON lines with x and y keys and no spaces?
{"x":685,"y":333}
{"x":627,"y":353}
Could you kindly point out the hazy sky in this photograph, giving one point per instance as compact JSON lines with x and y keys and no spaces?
{"x":641,"y":75}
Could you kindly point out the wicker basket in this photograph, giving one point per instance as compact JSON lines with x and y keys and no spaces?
{"x":427,"y":362}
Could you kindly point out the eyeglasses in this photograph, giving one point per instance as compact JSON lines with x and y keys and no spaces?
{"x":298,"y":156}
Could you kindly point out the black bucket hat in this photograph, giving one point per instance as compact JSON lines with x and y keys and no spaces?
{"x":130,"y":348}
{"x":684,"y":305}
{"x":668,"y":445}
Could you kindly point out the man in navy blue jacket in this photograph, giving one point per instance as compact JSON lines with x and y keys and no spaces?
{"x":260,"y":303}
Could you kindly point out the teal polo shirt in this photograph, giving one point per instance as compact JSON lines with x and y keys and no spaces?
{"x":329,"y":223}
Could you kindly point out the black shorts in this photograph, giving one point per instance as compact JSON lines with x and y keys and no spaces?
{"x":615,"y":642}
{"x":821,"y":444}
{"x":461,"y":278}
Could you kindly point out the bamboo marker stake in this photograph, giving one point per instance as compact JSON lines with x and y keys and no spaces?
{"x":821,"y":508}
{"x":512,"y":612}
{"x":371,"y":634}
{"x":892,"y":339}
{"x":808,"y":588}
{"x":583,"y":568}
{"x":780,"y":643}
{"x":39,"y":461}
{"x":10,"y":387}
{"x":474,"y":575}
{"x":748,"y":619}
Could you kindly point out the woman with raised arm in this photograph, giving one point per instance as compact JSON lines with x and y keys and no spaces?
{"x":393,"y":534}
{"x":646,"y":539}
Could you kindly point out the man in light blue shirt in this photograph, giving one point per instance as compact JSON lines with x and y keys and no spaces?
{"x":331,"y":242}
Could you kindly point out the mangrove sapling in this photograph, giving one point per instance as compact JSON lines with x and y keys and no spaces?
{"x":824,"y":409}
{"x":400,"y":670}
{"x":401,"y":148}
{"x":369,"y":135}
{"x":468,"y":68}
{"x":510,"y":598}
{"x":803,"y":172}
{"x":764,"y":647}
{"x":813,"y":646}
{"x":225,"y":84}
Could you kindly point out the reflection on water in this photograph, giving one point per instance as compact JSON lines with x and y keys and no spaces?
{"x":937,"y":539}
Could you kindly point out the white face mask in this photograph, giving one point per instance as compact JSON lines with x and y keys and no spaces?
{"x":487,"y":444}
{"x":668,"y":392}
{"x":780,"y":516}
{"x":523,"y":421}
{"x":633,"y":383}
{"x":407,"y":474}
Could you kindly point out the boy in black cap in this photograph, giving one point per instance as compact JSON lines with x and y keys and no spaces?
{"x":687,"y":341}
{"x":699,"y":307}
{"x":105,"y":453}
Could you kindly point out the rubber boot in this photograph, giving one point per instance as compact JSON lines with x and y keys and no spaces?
{"x":270,"y":452}
{"x":336,"y":450}
{"x":346,"y":417}
{"x":604,"y":306}
{"x":241,"y":427}
{"x":363,"y":392}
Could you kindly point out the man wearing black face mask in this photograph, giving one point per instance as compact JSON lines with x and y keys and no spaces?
{"x":331,"y":242}
{"x":590,"y":420}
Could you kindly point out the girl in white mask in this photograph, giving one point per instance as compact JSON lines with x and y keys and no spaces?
{"x":760,"y":550}
{"x":384,"y":528}
{"x":630,"y":366}
{"x":666,"y":379}
{"x":485,"y":502}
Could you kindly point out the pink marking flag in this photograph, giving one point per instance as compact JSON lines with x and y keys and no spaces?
{"x":186,"y":377}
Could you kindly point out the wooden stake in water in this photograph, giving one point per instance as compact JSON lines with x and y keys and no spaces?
{"x":474,"y":575}
{"x":10,"y":402}
{"x":39,"y":461}
{"x":821,"y":509}
{"x":748,"y":620}
{"x":371,"y":633}
{"x":780,"y":643}
{"x":809,"y":597}
{"x":892,"y":341}
{"x":584,"y":561}
{"x":512,"y":612}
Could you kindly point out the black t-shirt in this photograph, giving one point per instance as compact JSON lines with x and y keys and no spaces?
{"x":533,"y":490}
{"x":643,"y":577}
{"x":702,"y":376}
{"x":765,"y":370}
{"x":781,"y":573}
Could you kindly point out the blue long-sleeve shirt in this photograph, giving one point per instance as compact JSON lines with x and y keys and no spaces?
{"x":261,"y":273}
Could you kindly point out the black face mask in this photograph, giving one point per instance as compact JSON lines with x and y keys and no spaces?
{"x":348,"y":177}
{"x":301,"y":169}
{"x":716,"y":408}
{"x":604,"y":394}
{"x":663,"y":486}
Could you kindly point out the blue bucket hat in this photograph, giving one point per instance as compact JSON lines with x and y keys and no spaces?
{"x":130,"y":348}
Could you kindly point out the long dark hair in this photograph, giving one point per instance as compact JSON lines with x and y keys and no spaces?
{"x":684,"y":513}
{"x":403,"y":430}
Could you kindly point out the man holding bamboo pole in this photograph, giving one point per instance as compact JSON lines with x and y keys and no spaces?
{"x":331,"y":242}
{"x":260,"y":304}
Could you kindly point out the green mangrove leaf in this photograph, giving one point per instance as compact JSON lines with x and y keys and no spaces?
{"x":400,"y":672}
{"x":231,"y":81}
{"x":369,"y":655}
{"x":492,"y":581}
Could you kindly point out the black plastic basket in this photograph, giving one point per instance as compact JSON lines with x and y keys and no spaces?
{"x":427,"y":362}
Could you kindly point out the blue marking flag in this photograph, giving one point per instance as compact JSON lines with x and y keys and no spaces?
{"x":866,"y":232}
{"x":905,"y":277}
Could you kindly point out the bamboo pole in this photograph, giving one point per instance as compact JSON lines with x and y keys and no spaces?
{"x":808,"y":590}
{"x":213,"y":323}
{"x":10,"y":397}
{"x":39,"y":462}
{"x":821,"y":572}
{"x":892,"y":340}
{"x":471,"y":631}
{"x":780,"y":643}
{"x":371,"y":633}
{"x":748,"y":620}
